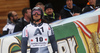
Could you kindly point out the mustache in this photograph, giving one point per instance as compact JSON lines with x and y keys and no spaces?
{"x":49,"y":12}
{"x":15,"y":20}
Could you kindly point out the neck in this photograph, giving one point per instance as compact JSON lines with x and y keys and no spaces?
{"x":70,"y":7}
{"x":12,"y":21}
{"x":27,"y":19}
{"x":37,"y":22}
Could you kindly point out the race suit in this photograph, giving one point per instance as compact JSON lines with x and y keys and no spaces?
{"x":38,"y":35}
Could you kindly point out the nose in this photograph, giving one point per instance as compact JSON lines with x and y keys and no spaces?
{"x":36,"y":14}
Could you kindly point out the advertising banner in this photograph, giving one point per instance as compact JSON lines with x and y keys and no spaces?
{"x":79,"y":34}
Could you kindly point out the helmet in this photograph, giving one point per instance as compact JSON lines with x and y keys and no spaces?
{"x":37,"y":9}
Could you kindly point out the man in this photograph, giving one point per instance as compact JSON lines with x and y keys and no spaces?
{"x":49,"y":15}
{"x":41,"y":5}
{"x":11,"y":22}
{"x":25,"y":20}
{"x":90,"y":6}
{"x":70,"y":10}
{"x":37,"y":33}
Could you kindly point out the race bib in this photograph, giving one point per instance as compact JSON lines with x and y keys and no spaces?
{"x":38,"y":41}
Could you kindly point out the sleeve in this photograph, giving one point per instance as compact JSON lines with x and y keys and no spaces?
{"x":63,"y":14}
{"x":79,"y":10}
{"x":18,"y":27}
{"x":24,"y":40}
{"x":52,"y":40}
{"x":86,"y":9}
{"x":5,"y":30}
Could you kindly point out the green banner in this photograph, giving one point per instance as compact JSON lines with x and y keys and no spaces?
{"x":69,"y":31}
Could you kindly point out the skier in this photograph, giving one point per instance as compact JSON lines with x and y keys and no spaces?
{"x":37,"y":33}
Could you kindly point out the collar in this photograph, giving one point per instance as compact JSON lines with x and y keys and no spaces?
{"x":36,"y":24}
{"x":48,"y":15}
{"x":65,"y":7}
{"x":25,"y":19}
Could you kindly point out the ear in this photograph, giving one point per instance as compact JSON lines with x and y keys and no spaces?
{"x":11,"y":18}
{"x":25,"y":13}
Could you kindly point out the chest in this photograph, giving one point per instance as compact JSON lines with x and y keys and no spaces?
{"x":11,"y":27}
{"x":38,"y":31}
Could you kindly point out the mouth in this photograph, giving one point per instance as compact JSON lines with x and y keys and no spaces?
{"x":36,"y":16}
{"x":49,"y":12}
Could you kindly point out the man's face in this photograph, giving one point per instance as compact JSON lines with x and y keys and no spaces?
{"x":69,"y":3}
{"x":49,"y":11}
{"x":36,"y":14}
{"x":92,"y":2}
{"x":28,"y":14}
{"x":15,"y":16}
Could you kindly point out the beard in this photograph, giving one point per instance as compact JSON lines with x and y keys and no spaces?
{"x":15,"y":20}
{"x":49,"y":13}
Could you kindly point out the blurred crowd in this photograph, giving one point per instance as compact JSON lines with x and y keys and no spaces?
{"x":69,"y":10}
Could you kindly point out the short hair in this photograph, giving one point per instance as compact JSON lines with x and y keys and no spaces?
{"x":25,"y":11}
{"x":10,"y":15}
{"x":39,"y":3}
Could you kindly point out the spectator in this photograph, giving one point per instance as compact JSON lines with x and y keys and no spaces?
{"x":25,"y":20}
{"x":49,"y":15}
{"x":11,"y":22}
{"x":38,"y":32}
{"x":41,"y":5}
{"x":70,"y":10}
{"x":90,"y":6}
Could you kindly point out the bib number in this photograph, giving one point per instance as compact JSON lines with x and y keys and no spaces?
{"x":38,"y":42}
{"x":39,"y":39}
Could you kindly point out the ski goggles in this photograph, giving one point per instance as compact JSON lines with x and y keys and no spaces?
{"x":36,"y":11}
